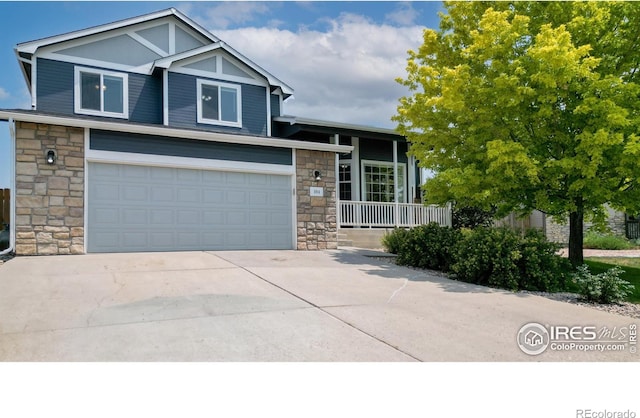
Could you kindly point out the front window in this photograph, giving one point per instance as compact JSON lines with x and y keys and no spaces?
{"x":219,"y":103}
{"x":101,"y":93}
{"x":379,"y":182}
{"x":344,"y":180}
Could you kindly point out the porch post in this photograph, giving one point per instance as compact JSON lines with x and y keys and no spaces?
{"x":335,"y":139}
{"x":355,"y":169}
{"x":395,"y":183}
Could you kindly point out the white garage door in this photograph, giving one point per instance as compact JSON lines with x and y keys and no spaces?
{"x":140,"y":208}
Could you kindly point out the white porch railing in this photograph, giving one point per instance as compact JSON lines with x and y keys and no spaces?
{"x":376,"y":214}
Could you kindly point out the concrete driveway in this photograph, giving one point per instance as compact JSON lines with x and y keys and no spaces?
{"x":267,"y":306}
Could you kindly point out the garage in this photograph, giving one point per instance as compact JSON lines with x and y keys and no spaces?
{"x":133,"y":207}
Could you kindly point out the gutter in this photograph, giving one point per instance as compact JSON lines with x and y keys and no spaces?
{"x":12,"y":186}
{"x":162,"y":130}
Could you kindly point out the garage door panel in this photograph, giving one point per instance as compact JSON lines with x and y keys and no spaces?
{"x":138,"y":208}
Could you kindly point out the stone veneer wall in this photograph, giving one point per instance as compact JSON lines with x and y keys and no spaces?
{"x":560,"y":232}
{"x":49,"y":198}
{"x":317,"y":227}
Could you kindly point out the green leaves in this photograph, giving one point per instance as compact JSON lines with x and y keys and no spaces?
{"x":528,"y":105}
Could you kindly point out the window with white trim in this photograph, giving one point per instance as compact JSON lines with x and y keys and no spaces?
{"x":219,"y":103}
{"x":101,"y":93}
{"x":378,"y":181}
{"x":344,"y":179}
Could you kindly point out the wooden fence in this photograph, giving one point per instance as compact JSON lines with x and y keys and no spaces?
{"x":5,"y":207}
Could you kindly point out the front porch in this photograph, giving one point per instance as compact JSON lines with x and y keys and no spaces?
{"x":363,"y":224}
{"x":390,"y":215}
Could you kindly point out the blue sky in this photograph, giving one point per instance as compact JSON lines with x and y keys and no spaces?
{"x":340,"y":57}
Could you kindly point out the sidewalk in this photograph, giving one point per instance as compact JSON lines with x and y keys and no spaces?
{"x":604,"y":253}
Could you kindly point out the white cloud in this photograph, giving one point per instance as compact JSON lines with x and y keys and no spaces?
{"x":404,"y":15}
{"x":4,"y":94}
{"x":225,"y":14}
{"x":344,"y":74}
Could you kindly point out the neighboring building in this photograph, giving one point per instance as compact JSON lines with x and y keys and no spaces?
{"x":151,"y":134}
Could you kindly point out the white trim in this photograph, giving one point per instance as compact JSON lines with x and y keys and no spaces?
{"x":87,"y":136}
{"x":172,"y":38}
{"x":220,"y":86}
{"x":395,"y":172}
{"x":34,"y":84}
{"x":355,"y":174}
{"x":294,"y":199}
{"x":219,"y":76}
{"x":197,"y":54}
{"x":116,"y":157}
{"x":387,"y":164}
{"x":165,"y":97}
{"x":12,"y":187}
{"x":32,"y":46}
{"x":268,"y":112}
{"x":350,"y":164}
{"x":147,"y":44}
{"x":140,"y":69}
{"x":162,"y":130}
{"x":77,"y":93}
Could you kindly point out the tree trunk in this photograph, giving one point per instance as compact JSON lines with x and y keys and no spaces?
{"x":576,"y":237}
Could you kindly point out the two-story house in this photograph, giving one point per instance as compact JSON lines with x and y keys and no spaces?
{"x":151,"y":134}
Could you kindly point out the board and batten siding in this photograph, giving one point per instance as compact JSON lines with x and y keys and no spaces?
{"x":55,"y":91}
{"x":183,"y":106}
{"x":180,"y":147}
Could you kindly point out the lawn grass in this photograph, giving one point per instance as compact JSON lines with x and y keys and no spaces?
{"x":630,"y":265}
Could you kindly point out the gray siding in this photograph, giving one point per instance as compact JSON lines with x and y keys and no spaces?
{"x":55,"y":92}
{"x":275,"y":106}
{"x":145,"y":98}
{"x":179,"y":147}
{"x":372,"y":149}
{"x":183,"y":107}
{"x":55,"y":86}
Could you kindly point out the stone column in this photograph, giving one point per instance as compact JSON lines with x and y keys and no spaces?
{"x":317,"y":223}
{"x":49,"y":197}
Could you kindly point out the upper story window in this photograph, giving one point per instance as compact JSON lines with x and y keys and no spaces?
{"x":101,"y":93}
{"x":219,"y":103}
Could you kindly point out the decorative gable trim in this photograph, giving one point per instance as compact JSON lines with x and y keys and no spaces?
{"x":178,"y":62}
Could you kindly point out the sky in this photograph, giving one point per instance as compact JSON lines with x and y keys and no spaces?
{"x":341,"y":58}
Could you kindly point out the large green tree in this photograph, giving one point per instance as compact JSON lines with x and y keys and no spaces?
{"x":529,"y":105}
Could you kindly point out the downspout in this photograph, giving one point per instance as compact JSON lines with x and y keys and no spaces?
{"x":12,"y":186}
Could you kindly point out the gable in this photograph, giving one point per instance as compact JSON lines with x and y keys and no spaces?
{"x":220,"y":65}
{"x":132,"y":48}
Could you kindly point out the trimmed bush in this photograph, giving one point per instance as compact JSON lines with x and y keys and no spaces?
{"x":605,"y":287}
{"x":501,"y":257}
{"x":541,"y":269}
{"x":429,"y":246}
{"x":489,"y":257}
{"x":601,"y":241}
{"x":392,"y":241}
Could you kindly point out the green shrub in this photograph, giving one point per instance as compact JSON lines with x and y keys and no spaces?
{"x":501,"y":257}
{"x":489,"y":257}
{"x":541,"y":268}
{"x":429,"y":246}
{"x":602,"y":241}
{"x":392,"y":241}
{"x":605,"y":287}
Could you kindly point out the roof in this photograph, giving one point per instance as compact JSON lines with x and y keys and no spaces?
{"x":30,"y":47}
{"x":24,"y":51}
{"x":166,"y":62}
{"x":301,"y":124}
{"x":161,"y":130}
